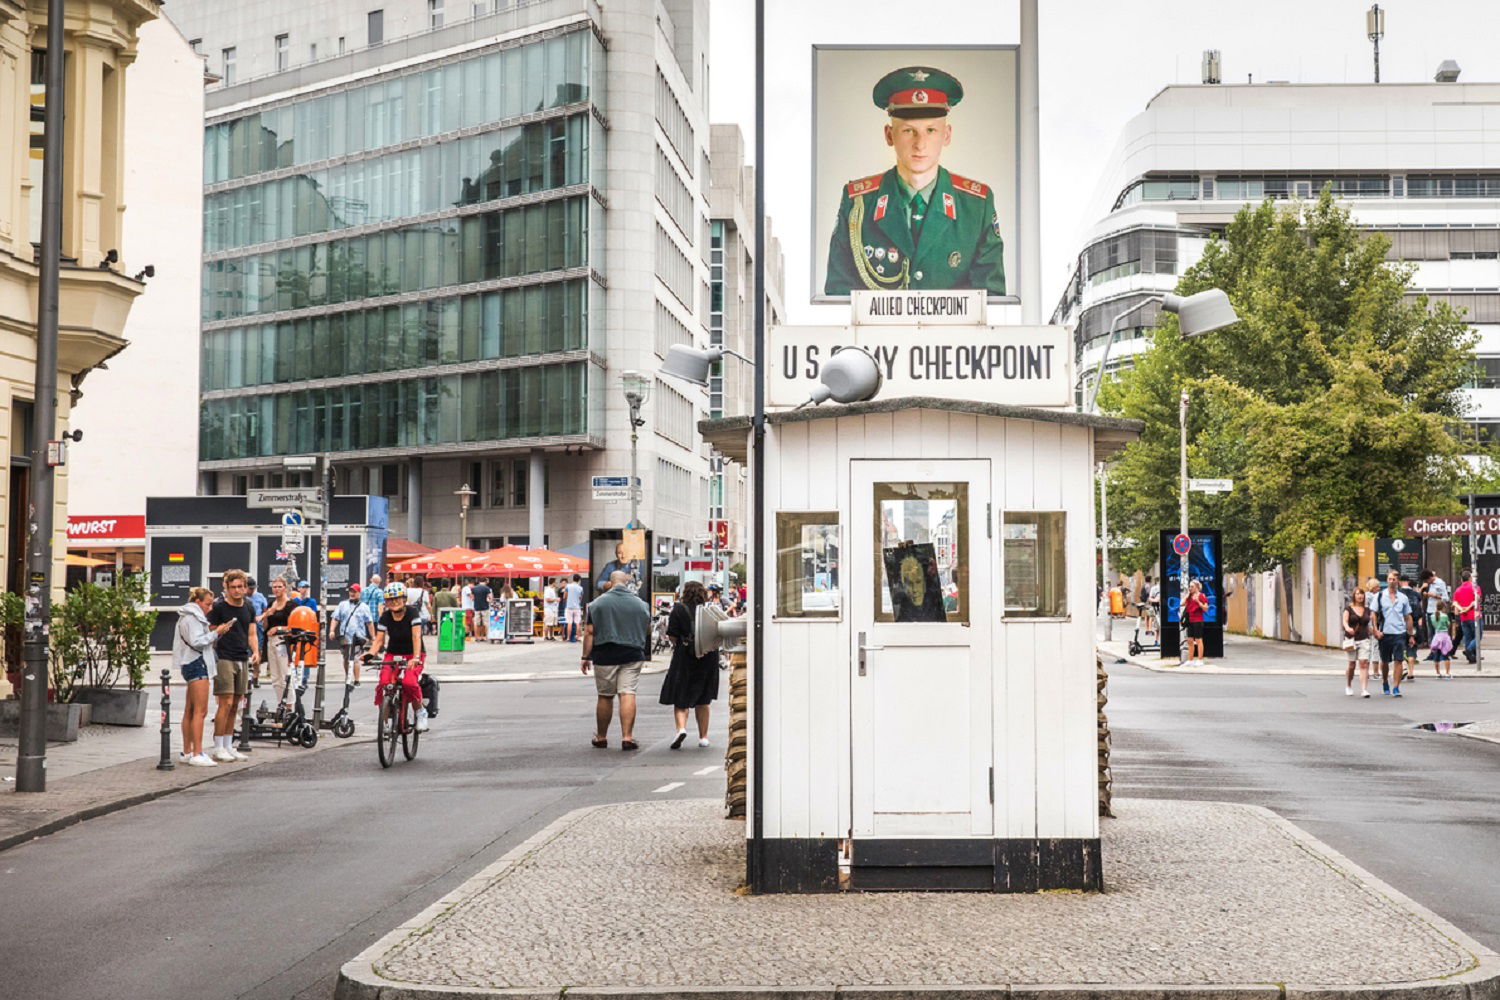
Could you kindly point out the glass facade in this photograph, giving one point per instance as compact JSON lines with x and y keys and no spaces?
{"x":542,"y":400}
{"x":376,"y":289}
{"x":525,"y":159}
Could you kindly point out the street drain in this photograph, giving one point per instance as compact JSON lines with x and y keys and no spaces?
{"x":1438,"y":727}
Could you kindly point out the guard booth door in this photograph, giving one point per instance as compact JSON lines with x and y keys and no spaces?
{"x":223,"y":556}
{"x":922,"y":611}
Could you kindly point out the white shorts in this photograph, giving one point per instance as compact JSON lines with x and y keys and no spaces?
{"x":574,"y":616}
{"x":1363,"y":649}
{"x":549,"y":615}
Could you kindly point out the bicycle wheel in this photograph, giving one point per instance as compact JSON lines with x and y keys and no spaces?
{"x":389,"y":731}
{"x":409,"y":732}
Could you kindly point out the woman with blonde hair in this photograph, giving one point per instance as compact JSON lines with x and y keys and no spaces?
{"x":193,"y":654}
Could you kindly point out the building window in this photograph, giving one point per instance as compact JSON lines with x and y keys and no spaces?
{"x":341,"y":45}
{"x":481,"y":8}
{"x":921,"y":552}
{"x":375,"y":27}
{"x":518,"y":481}
{"x":434,"y":13}
{"x":227,"y":65}
{"x":283,"y":52}
{"x":807,"y":564}
{"x":1036,"y":580}
{"x":497,"y":484}
{"x":312,"y":52}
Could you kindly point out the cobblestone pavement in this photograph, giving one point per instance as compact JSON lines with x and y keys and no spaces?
{"x":644,"y":895}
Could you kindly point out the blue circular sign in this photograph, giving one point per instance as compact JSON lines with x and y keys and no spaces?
{"x":1182,"y":545}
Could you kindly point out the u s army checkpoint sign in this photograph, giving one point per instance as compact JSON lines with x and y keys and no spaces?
{"x":1018,"y":365}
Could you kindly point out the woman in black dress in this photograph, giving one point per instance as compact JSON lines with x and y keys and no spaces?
{"x":692,"y":682}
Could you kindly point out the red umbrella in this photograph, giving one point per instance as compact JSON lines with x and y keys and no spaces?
{"x":506,"y":561}
{"x":442,"y":563}
{"x":560,"y":563}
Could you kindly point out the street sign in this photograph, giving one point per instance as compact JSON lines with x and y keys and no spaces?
{"x":1211,"y":485}
{"x":1182,"y":545}
{"x":291,"y":517}
{"x":611,"y":493}
{"x":290,"y":497}
{"x":292,"y":539}
{"x":614,"y":482}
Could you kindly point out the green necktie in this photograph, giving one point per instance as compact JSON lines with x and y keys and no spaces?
{"x":918,"y":210}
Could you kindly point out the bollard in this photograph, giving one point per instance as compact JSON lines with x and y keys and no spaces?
{"x":244,"y":746}
{"x":165,"y":764}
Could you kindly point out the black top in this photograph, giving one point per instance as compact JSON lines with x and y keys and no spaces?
{"x":234,"y":644}
{"x":398,"y":632}
{"x":481,"y":593}
{"x":278,"y":619}
{"x":1359,"y":622}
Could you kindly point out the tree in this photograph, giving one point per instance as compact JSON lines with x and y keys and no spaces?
{"x":1332,"y":404}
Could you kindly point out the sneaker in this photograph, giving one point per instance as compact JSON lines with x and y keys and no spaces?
{"x":422,"y":726}
{"x":1395,"y":692}
{"x":201,"y":760}
{"x":237,"y":755}
{"x":677,"y":743}
{"x":1364,"y":694}
{"x":1385,"y":689}
{"x":1349,"y":690}
{"x":223,"y":756}
{"x":703,"y":741}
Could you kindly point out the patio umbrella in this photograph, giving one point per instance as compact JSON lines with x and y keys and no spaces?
{"x":559,"y":563}
{"x":507,"y":561}
{"x":77,"y":560}
{"x":446,"y":562}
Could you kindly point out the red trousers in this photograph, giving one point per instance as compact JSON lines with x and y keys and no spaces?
{"x":409,"y":683}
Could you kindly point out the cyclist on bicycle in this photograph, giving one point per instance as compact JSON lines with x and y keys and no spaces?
{"x":399,"y":633}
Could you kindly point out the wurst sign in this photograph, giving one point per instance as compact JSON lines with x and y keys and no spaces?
{"x":1445,"y":525}
{"x":1020,"y":365}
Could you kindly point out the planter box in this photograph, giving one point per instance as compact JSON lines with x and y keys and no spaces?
{"x":114,"y":706}
{"x":62,"y":721}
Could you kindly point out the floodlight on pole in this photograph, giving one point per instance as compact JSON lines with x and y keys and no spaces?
{"x":850,"y":376}
{"x":692,"y":364}
{"x":1197,"y":314}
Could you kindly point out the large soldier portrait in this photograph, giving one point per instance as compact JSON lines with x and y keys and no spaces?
{"x":916,"y":225}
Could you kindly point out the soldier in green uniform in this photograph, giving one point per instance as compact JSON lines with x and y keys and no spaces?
{"x":916,"y":225}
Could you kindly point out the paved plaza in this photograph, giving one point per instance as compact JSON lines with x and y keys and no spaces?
{"x":642,"y":898}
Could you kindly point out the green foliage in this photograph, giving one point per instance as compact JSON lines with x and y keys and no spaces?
{"x":1330,"y":404}
{"x":98,"y":633}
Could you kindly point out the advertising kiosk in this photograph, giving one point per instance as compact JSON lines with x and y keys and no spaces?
{"x":928,"y":705}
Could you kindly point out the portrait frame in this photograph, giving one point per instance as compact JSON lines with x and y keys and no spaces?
{"x":1001,"y":172}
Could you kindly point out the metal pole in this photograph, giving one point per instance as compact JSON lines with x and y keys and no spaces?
{"x":757,"y":595}
{"x":1109,"y":621}
{"x":1182,"y":570}
{"x":324,"y":633}
{"x":165,"y":764}
{"x":1030,"y":223}
{"x":31,"y":759}
{"x":1474,"y":579}
{"x":635,"y":498}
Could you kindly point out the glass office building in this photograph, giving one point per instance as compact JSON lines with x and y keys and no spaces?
{"x":405,"y":262}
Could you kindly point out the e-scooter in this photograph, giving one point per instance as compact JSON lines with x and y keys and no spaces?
{"x":341,"y":724}
{"x":1137,"y":647}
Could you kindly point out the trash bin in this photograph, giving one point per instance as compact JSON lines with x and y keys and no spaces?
{"x":451,"y":630}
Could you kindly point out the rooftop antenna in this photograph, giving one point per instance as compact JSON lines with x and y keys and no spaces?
{"x":1375,"y":31}
{"x":1211,"y":71}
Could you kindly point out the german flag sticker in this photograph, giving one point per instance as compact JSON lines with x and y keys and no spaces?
{"x":176,"y":557}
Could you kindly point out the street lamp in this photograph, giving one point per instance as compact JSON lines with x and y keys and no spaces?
{"x":464,"y":494}
{"x":637,"y":390}
{"x":1197,"y":314}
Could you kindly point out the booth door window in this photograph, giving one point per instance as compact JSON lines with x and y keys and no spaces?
{"x":922,"y":605}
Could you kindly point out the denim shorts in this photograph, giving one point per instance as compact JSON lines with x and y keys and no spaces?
{"x":195,"y":671}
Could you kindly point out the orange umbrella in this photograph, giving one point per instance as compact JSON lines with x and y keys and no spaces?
{"x":558,"y":562}
{"x":444,"y":562}
{"x":506,"y":561}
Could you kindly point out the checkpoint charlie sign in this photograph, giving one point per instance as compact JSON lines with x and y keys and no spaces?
{"x":1018,"y":365}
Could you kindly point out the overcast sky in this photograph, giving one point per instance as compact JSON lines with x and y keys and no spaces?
{"x":1100,"y":63}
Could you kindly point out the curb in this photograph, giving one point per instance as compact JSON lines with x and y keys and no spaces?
{"x":1110,"y":655}
{"x":359,"y":980}
{"x":7,"y":841}
{"x":550,"y":675}
{"x":1475,"y":736}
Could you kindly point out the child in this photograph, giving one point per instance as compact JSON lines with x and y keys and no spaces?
{"x":1441,"y":646}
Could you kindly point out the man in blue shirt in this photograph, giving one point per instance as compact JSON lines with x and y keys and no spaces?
{"x":352,"y":624}
{"x":258,"y":602}
{"x":374,"y":596}
{"x":1395,"y":630}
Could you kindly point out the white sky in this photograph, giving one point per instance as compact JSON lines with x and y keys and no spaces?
{"x":1101,"y":62}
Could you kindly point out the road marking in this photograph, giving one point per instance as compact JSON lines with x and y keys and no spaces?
{"x":707,"y":770}
{"x":667,"y":787}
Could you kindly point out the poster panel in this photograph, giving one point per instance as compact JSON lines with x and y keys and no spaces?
{"x":915,"y":164}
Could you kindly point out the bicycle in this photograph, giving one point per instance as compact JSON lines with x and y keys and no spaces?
{"x":398,"y":719}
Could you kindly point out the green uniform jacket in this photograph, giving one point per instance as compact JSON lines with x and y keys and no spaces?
{"x":959,"y":244}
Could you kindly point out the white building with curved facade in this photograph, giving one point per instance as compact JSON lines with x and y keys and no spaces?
{"x":1419,"y":162}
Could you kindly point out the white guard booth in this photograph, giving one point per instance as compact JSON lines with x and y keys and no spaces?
{"x":928,"y":703}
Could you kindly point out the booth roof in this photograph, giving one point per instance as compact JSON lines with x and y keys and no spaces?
{"x":730,"y":435}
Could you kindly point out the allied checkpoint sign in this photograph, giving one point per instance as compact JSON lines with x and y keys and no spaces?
{"x":1016,"y":365}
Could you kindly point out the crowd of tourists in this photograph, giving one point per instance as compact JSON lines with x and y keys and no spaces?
{"x":1404,"y":622}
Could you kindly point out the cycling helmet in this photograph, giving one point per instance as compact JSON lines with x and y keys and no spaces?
{"x":394,"y":590}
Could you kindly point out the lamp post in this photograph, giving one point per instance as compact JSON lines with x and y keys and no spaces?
{"x":637,"y":390}
{"x":464,"y":494}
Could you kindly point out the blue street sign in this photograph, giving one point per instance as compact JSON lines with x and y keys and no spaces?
{"x":614,"y":482}
{"x":1182,"y":545}
{"x":292,"y":517}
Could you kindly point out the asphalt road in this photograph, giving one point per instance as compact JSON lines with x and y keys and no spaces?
{"x":262,"y":884}
{"x":1419,"y":810}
